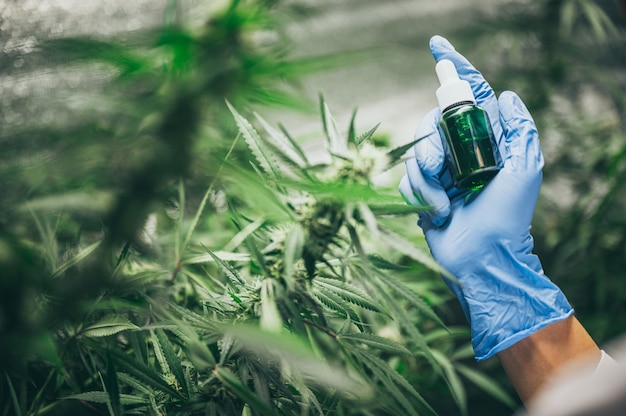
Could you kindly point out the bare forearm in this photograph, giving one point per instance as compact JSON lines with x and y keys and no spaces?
{"x":533,"y":361}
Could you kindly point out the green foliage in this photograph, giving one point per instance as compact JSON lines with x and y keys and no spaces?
{"x":179,"y":258}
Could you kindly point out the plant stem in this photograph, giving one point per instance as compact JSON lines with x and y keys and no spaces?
{"x":321,"y":328}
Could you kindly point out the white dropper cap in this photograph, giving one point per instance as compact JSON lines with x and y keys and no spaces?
{"x":452,"y":90}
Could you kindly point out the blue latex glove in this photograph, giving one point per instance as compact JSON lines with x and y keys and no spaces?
{"x":483,"y":239}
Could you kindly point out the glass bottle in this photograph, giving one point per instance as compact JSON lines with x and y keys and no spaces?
{"x":471,"y":148}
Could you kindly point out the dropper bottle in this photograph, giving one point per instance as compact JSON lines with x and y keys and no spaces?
{"x":472,"y":151}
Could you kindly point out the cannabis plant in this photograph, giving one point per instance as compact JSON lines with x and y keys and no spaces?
{"x":281,"y":287}
{"x":293,"y":315}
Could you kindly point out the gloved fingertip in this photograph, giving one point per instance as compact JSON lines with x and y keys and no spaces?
{"x":513,"y":112}
{"x":438,"y":45}
{"x":511,"y":107}
{"x":520,"y":133}
{"x":508,"y":96}
{"x":441,"y":49}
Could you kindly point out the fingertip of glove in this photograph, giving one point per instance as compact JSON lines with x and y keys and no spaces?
{"x":439,"y":45}
{"x":512,"y":107}
{"x":506,"y":96}
{"x":521,"y":136}
{"x":508,"y":99}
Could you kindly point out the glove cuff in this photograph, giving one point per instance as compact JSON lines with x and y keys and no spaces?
{"x":510,"y":339}
{"x":520,"y":302}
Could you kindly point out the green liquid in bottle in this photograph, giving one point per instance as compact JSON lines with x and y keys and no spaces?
{"x":471,"y":146}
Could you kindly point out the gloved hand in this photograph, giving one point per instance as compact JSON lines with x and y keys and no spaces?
{"x":483,"y":238}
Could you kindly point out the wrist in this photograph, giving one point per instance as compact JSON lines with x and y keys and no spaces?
{"x":537,"y":358}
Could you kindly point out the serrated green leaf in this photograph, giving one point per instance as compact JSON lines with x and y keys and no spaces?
{"x":200,"y":355}
{"x":194,"y":319}
{"x":368,"y":217}
{"x":395,"y":209}
{"x":257,"y":193}
{"x":288,"y":166}
{"x":348,"y":292}
{"x":463,"y":352}
{"x":339,"y":190}
{"x":366,"y":136}
{"x":352,"y":129}
{"x":256,"y":144}
{"x":270,"y":316}
{"x":112,"y":387}
{"x":257,"y":255}
{"x":103,"y":397}
{"x":335,"y":143}
{"x":110,"y":325}
{"x":282,"y":144}
{"x":452,"y":379}
{"x":294,"y":244}
{"x":196,"y":218}
{"x":337,"y":304}
{"x":487,"y":384}
{"x":568,"y":17}
{"x":133,"y":383}
{"x":244,"y":233}
{"x":87,"y":49}
{"x":14,"y":401}
{"x":296,"y":147}
{"x":395,"y":155}
{"x":143,"y":373}
{"x":404,"y":246}
{"x":221,"y":256}
{"x":227,"y":347}
{"x":377,"y":342}
{"x":76,"y":259}
{"x":194,"y":222}
{"x":328,"y":301}
{"x":413,"y":298}
{"x":261,"y":383}
{"x":220,"y":259}
{"x":397,"y":311}
{"x":396,"y":385}
{"x":92,"y":202}
{"x":449,"y":332}
{"x":600,"y":23}
{"x":293,"y":351}
{"x":234,"y":384}
{"x":180,"y":220}
{"x":383,"y":264}
{"x":173,"y":360}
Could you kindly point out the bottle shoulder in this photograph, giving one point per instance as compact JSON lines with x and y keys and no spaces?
{"x":462,"y":109}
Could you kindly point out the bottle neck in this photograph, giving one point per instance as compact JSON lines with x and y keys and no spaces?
{"x":458,"y":104}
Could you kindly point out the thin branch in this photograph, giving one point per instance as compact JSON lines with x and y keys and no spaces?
{"x":321,"y":328}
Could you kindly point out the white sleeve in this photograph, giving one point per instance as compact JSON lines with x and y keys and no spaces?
{"x":607,"y":363}
{"x":598,"y":389}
